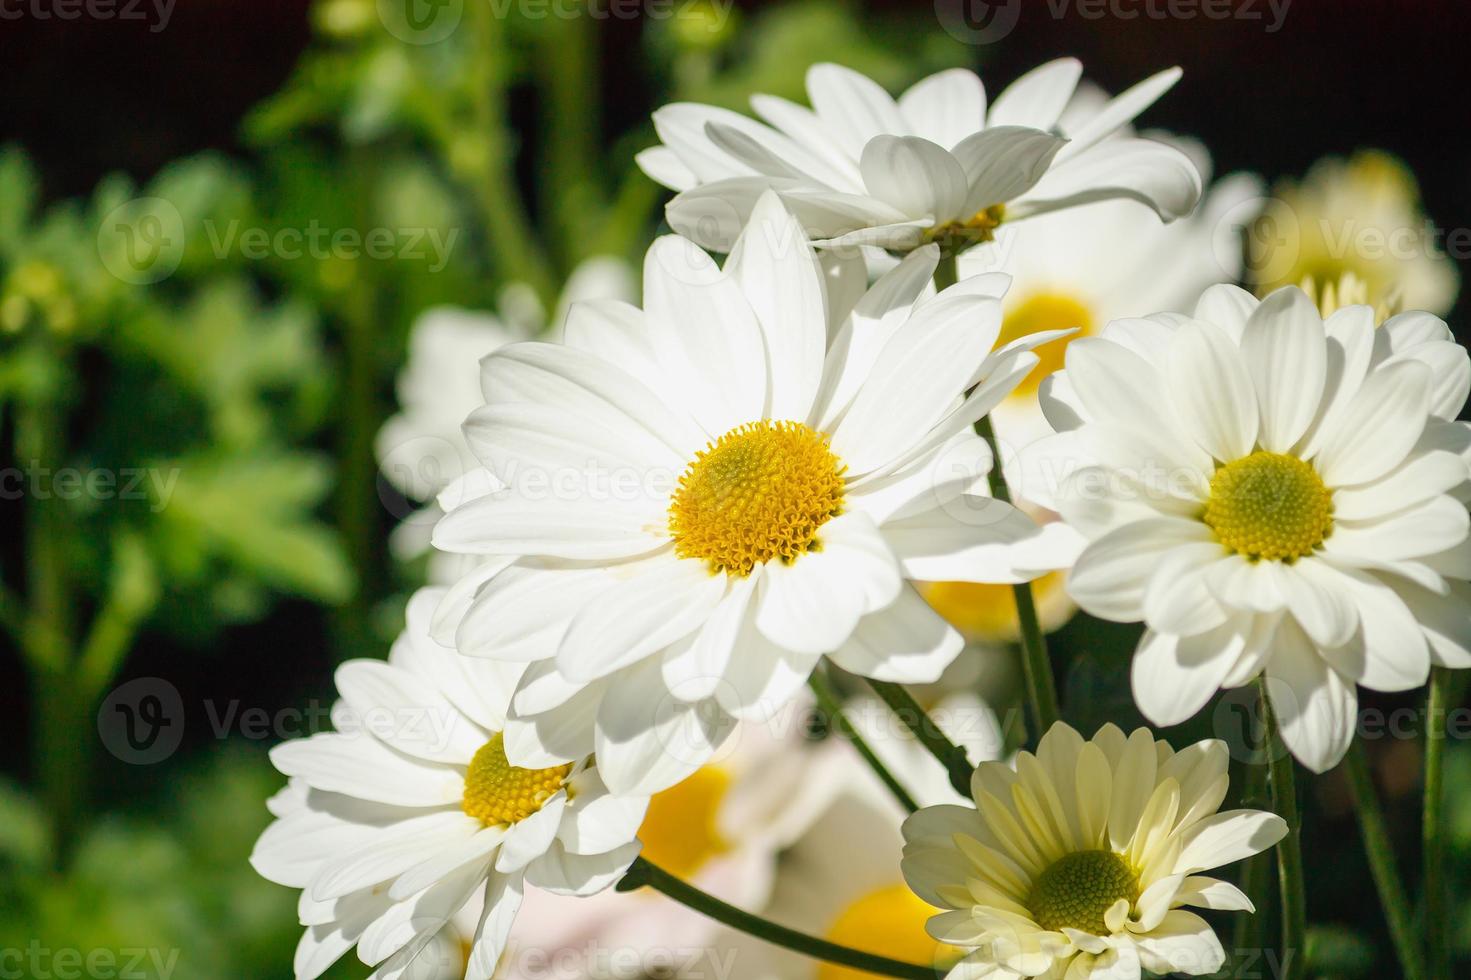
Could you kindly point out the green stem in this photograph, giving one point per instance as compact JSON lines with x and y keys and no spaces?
{"x":642,"y":874}
{"x":1290,"y":879}
{"x":108,"y":642}
{"x":923,"y":727}
{"x":567,"y":73}
{"x":356,"y":494}
{"x":1382,"y":864}
{"x":60,"y":736}
{"x":516,"y":252}
{"x":1437,"y":943}
{"x":1036,"y":665}
{"x":1257,"y":874}
{"x":828,"y":703}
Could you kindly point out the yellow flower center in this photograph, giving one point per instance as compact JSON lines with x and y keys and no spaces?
{"x":1039,"y":313}
{"x":681,"y":828}
{"x":497,"y":792}
{"x":758,"y":492}
{"x":1349,"y":290}
{"x":1077,"y":889}
{"x":887,"y":922}
{"x":985,"y":612}
{"x":1269,"y":505}
{"x":956,"y":236}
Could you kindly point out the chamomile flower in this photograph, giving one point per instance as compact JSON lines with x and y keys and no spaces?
{"x":410,"y":810}
{"x":936,"y":165}
{"x":707,"y":496}
{"x":1354,"y":224}
{"x":1084,"y":859}
{"x":1269,"y":492}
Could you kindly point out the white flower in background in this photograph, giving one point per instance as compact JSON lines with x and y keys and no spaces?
{"x":1100,"y":262}
{"x":709,"y":495}
{"x":841,"y":880}
{"x":937,"y":164}
{"x":1268,"y":492}
{"x":721,"y":829}
{"x":421,"y":450}
{"x":1354,"y":224}
{"x":1081,"y":861}
{"x":409,"y":811}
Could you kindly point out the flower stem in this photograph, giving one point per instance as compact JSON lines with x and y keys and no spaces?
{"x":923,"y":727}
{"x":1290,"y":879}
{"x":828,"y":703}
{"x":516,"y":251}
{"x":642,"y":874}
{"x":1036,"y":666}
{"x":1256,"y":876}
{"x":1382,"y":863}
{"x":1437,"y":943}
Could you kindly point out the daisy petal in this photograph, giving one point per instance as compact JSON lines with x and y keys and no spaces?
{"x":1314,"y":704}
{"x":1285,"y":351}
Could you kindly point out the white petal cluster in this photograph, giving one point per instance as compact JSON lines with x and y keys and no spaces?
{"x":1153,"y":409}
{"x":373,"y":826}
{"x":863,"y":168}
{"x":649,"y":656}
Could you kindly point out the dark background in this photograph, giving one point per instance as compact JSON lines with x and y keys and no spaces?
{"x":86,"y":98}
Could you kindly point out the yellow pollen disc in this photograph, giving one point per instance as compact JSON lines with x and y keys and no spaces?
{"x":980,"y":227}
{"x":984,"y":612}
{"x":497,"y":792}
{"x":1039,"y":313}
{"x":1269,"y":505}
{"x":681,"y":829}
{"x":888,"y":922}
{"x":758,"y":493}
{"x":1077,"y":889}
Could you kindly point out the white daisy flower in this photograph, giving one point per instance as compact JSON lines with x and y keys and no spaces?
{"x":1268,"y":492}
{"x":1354,"y":225}
{"x":1081,"y":861}
{"x":410,"y":810}
{"x":708,"y":495}
{"x":421,"y":449}
{"x":936,"y":165}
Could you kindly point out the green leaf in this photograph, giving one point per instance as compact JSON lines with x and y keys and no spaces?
{"x":254,"y":513}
